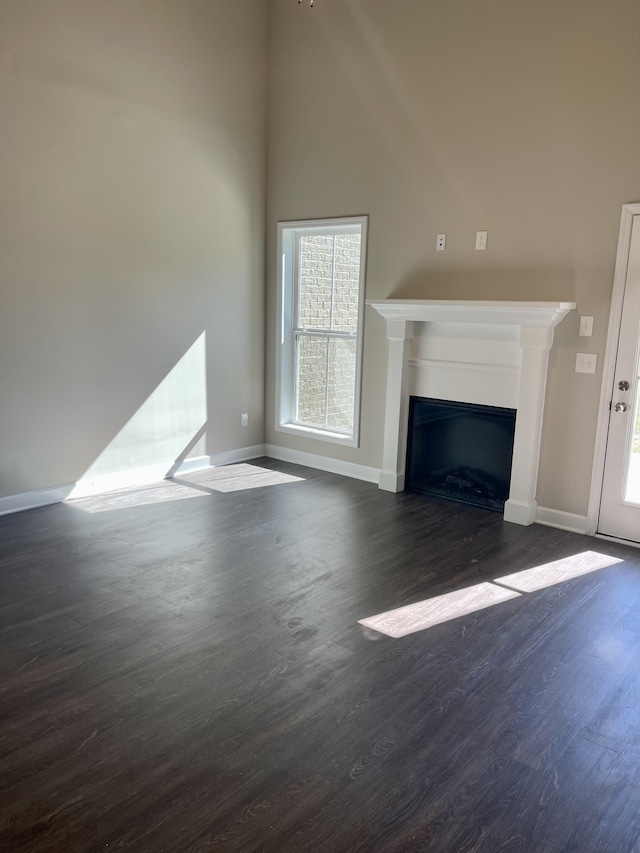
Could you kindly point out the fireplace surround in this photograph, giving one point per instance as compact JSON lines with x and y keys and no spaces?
{"x":490,"y":353}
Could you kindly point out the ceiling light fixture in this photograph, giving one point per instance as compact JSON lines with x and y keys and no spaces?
{"x":310,"y":2}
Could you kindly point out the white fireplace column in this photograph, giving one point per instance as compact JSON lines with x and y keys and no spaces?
{"x":396,"y":417}
{"x":535,"y":342}
{"x":534,"y":321}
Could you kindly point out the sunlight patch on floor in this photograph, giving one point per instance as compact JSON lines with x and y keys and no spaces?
{"x":238,"y":478}
{"x":540,"y":577}
{"x":157,"y":493}
{"x":435,"y":611}
{"x":443,"y":608}
{"x":201,"y":484}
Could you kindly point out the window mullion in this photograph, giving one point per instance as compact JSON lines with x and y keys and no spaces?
{"x":325,"y":333}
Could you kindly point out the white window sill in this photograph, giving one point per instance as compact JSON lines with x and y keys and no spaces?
{"x":318,"y":434}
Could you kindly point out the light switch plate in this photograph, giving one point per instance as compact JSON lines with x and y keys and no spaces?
{"x":586,"y":362}
{"x":586,"y":327}
{"x":481,"y":240}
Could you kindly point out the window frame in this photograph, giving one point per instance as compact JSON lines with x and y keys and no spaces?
{"x":289,"y":234}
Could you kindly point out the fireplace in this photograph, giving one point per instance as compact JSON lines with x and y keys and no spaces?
{"x":490,"y":353}
{"x":460,"y":451}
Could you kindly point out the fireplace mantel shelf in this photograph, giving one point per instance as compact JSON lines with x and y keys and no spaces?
{"x":491,"y":312}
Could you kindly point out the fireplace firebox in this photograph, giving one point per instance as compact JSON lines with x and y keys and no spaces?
{"x":460,"y":451}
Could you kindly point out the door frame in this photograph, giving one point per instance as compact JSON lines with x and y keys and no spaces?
{"x":609,"y":364}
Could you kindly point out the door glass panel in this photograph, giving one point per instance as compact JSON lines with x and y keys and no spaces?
{"x":632,"y":491}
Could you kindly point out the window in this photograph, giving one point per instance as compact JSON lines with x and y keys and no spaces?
{"x":321,"y":294}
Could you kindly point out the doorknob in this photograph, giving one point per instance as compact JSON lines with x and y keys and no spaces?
{"x":623,"y":385}
{"x":620,"y":407}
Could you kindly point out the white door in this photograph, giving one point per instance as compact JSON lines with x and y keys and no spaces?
{"x":620,"y":502}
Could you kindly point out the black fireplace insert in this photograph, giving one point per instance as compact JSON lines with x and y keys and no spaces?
{"x":460,"y":451}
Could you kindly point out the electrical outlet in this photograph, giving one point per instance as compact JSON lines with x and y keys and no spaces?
{"x":586,"y":327}
{"x":441,"y":242}
{"x":481,"y":240}
{"x":586,"y":362}
{"x":244,"y":419}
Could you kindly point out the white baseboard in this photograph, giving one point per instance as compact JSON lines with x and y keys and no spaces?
{"x":323,"y":463}
{"x":390,"y":481}
{"x":33,"y":500}
{"x":129,"y":479}
{"x":196,"y":463}
{"x":156,"y":473}
{"x":102,"y":483}
{"x":520,"y":512}
{"x":226,"y":457}
{"x":562,"y":520}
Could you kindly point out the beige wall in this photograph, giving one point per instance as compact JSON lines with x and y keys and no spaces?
{"x":520,"y":118}
{"x":132,"y":178}
{"x":132,"y":185}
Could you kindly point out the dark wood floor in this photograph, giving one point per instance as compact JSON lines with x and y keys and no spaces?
{"x":182,"y":670}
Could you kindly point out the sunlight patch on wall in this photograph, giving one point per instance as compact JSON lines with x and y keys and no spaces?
{"x":157,"y":434}
{"x":443,"y":608}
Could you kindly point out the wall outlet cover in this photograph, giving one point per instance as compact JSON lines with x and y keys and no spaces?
{"x":586,"y":362}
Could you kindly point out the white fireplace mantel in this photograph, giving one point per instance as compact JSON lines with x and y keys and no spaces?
{"x":533,"y":322}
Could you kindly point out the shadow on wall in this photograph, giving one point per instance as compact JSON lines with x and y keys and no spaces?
{"x":524,"y":284}
{"x":169,"y":426}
